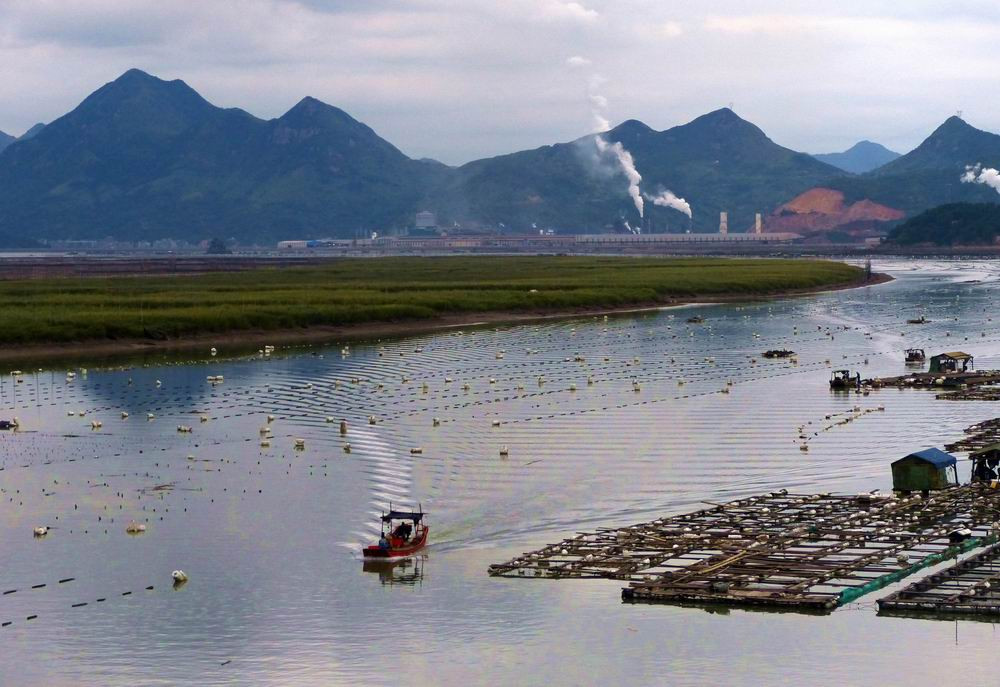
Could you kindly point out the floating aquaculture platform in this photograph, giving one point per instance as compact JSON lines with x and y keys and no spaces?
{"x":778,"y":550}
{"x":970,"y":587}
{"x":936,"y":380}
{"x":979,"y":393}
{"x":978,"y":436}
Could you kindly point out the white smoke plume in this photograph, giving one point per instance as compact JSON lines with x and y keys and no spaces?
{"x":627,"y":165}
{"x":598,"y":106}
{"x":977,"y":174}
{"x":667,"y":199}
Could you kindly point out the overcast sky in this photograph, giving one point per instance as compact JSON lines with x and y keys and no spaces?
{"x":462,"y":79}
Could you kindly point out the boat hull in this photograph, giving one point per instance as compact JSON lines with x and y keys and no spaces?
{"x":376,"y":552}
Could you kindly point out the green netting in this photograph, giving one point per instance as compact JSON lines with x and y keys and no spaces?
{"x":854,"y":593}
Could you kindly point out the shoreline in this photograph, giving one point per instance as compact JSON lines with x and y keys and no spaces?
{"x":246,"y":339}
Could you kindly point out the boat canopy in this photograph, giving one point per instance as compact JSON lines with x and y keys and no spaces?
{"x":402,"y":515}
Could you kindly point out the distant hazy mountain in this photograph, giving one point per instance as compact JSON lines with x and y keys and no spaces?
{"x":716,"y":162}
{"x":7,"y":139}
{"x":862,"y":157}
{"x":929,"y":175}
{"x":32,"y":132}
{"x":145,"y":158}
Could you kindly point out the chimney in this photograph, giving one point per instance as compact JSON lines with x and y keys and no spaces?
{"x":723,"y":222}
{"x":758,"y":227}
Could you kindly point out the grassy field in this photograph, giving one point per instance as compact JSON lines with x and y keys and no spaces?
{"x":377,"y":290}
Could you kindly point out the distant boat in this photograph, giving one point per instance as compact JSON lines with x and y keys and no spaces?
{"x":843,"y":379}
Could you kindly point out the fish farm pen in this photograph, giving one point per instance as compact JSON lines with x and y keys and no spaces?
{"x":806,"y":552}
{"x":970,"y":587}
{"x":932,"y":380}
{"x":978,"y":436}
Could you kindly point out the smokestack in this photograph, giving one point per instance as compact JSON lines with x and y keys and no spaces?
{"x":723,"y":222}
{"x":758,"y":227}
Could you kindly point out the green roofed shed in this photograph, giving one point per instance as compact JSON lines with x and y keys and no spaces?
{"x":955,"y":361}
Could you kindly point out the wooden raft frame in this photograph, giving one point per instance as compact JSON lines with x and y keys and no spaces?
{"x":780,"y":550}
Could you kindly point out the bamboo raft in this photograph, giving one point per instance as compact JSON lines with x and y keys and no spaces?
{"x":780,"y":550}
{"x":936,"y":380}
{"x":979,"y":435}
{"x":980,"y":393}
{"x":970,"y":587}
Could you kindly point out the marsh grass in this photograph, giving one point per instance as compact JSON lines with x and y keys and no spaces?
{"x":357,"y":291}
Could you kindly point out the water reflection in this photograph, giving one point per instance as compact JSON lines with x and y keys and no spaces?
{"x":408,"y":571}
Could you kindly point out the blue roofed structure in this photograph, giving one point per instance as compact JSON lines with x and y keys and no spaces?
{"x":935,"y":456}
{"x":925,"y":470}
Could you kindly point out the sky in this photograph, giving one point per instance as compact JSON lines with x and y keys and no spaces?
{"x":457,"y":80}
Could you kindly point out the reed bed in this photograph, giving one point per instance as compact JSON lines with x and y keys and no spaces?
{"x":356,"y":291}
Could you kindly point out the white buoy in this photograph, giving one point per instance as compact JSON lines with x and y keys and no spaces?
{"x":41,"y":531}
{"x":213,"y":351}
{"x":135,"y":528}
{"x":179,"y":576}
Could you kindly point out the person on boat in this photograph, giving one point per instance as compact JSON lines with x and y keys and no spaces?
{"x":383,"y":542}
{"x":985,"y":470}
{"x":403,"y":531}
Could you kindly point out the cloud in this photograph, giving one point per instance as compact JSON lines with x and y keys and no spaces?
{"x":666,"y":29}
{"x":568,"y":10}
{"x":578,"y":61}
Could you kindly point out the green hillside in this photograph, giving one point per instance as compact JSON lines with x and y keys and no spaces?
{"x":961,"y":224}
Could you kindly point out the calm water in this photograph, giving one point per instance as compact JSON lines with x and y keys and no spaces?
{"x":270,"y":535}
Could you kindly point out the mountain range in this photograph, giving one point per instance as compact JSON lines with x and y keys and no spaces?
{"x":863,"y":156}
{"x":142,"y":158}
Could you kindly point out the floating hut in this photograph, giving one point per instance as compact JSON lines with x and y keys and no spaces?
{"x":955,"y":361}
{"x":924,"y":471}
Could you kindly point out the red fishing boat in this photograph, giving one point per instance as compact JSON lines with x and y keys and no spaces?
{"x":405,"y":539}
